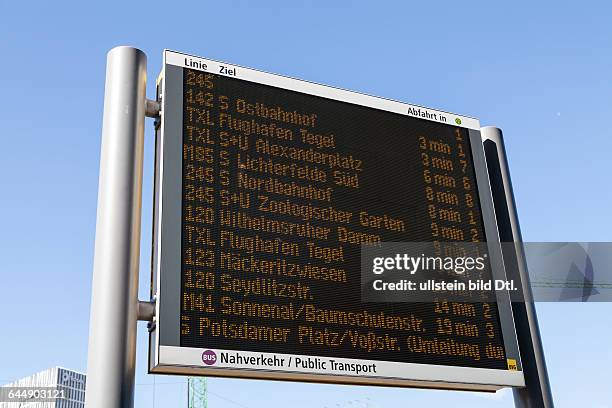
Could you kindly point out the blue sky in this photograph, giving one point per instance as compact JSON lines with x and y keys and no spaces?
{"x":539,"y":70}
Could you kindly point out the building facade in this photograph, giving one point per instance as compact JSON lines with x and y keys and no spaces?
{"x":67,"y":384}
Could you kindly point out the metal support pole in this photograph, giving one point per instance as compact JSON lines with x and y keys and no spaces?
{"x":114,"y":303}
{"x":537,"y":392}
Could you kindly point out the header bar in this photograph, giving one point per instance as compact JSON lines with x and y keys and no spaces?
{"x":297,"y":85}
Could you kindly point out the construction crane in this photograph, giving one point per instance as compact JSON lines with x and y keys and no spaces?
{"x":353,"y":404}
{"x":197,"y":396}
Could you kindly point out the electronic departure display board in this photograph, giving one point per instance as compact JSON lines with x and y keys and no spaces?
{"x":266,"y":188}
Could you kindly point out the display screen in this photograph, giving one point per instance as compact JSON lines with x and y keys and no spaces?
{"x":280,"y":190}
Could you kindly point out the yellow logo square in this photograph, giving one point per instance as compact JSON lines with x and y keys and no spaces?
{"x":512,"y":364}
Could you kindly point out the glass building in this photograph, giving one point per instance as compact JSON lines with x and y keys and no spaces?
{"x":67,"y":383}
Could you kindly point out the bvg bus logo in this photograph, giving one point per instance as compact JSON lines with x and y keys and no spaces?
{"x":209,"y":357}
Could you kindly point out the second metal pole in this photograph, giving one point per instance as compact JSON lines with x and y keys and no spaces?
{"x":537,"y":393}
{"x":114,"y":304}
